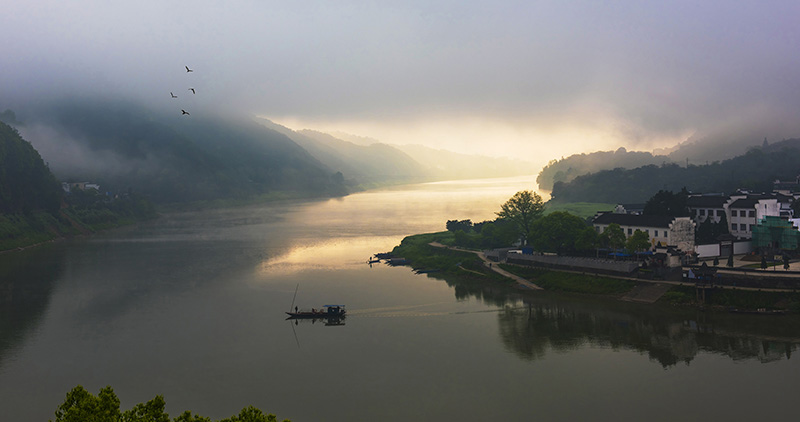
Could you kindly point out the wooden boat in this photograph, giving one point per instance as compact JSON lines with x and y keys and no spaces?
{"x":327,"y":311}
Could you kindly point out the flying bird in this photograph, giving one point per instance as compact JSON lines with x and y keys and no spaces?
{"x":192,"y":89}
{"x":185,"y":112}
{"x":173,"y":95}
{"x":188,"y":70}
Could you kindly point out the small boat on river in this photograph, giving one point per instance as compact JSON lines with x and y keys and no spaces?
{"x":327,"y":311}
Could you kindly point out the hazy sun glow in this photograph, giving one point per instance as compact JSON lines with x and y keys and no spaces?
{"x":494,"y":138}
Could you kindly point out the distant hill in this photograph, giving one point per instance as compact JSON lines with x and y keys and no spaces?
{"x":365,"y":160}
{"x":695,"y":150}
{"x":26,"y":184}
{"x":172,"y":158}
{"x":567,"y":169}
{"x":360,"y":165}
{"x":755,"y":170}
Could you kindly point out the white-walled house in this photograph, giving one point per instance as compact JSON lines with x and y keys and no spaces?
{"x":743,"y":210}
{"x":677,"y":231}
{"x":704,"y":207}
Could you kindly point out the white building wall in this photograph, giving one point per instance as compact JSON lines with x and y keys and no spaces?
{"x":705,"y":251}
{"x":681,"y":233}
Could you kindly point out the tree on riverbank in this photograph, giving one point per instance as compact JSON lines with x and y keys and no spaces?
{"x":524,"y":208}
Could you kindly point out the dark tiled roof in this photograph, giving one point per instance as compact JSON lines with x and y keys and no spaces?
{"x":706,"y":201}
{"x":634,"y":220}
{"x":750,"y":201}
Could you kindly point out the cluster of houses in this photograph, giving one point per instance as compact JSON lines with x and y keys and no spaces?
{"x":754,"y":221}
{"x":70,"y":186}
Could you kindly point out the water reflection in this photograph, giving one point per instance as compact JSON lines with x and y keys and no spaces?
{"x":26,"y":284}
{"x":546,"y":325}
{"x":535,"y":324}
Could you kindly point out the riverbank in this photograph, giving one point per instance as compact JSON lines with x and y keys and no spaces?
{"x":435,"y":251}
{"x":20,"y":232}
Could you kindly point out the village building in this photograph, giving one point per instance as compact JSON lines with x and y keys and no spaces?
{"x":743,"y":210}
{"x":707,"y":207}
{"x":675,"y":231}
{"x":70,"y":186}
{"x":629,"y":209}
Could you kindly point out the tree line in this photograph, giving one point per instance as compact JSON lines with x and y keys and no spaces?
{"x":755,"y":170}
{"x":522,"y":221}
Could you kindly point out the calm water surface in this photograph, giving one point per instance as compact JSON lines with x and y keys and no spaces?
{"x":192,"y":307}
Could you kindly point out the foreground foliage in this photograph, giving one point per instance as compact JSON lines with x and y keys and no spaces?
{"x":83,"y":406}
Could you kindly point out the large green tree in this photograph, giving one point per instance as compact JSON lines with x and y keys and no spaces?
{"x":666,"y":202}
{"x":523,"y":209}
{"x":638,"y":242}
{"x":562,"y":233}
{"x":613,"y":237}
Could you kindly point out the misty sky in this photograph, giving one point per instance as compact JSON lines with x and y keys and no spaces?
{"x":528,"y":79}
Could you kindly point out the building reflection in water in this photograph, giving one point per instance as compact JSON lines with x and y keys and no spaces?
{"x":533,"y":324}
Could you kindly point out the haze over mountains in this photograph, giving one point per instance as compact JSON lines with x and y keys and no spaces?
{"x":695,"y":151}
{"x":123,"y":146}
{"x":756,"y":170}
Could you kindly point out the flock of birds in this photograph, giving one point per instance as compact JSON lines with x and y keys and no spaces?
{"x":184,"y":112}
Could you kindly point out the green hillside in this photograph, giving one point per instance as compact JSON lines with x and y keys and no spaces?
{"x":172,"y":158}
{"x":26,"y":184}
{"x":755,"y":170}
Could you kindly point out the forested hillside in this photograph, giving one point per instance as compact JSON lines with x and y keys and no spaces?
{"x":567,"y":169}
{"x":172,"y":158}
{"x":26,"y":184}
{"x":756,"y":170}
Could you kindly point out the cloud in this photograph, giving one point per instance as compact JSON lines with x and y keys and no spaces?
{"x":561,"y":76}
{"x":70,"y":158}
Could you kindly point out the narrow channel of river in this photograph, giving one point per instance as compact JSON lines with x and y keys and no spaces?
{"x":191,"y":307}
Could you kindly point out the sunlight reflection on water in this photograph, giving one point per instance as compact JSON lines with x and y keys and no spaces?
{"x":344,"y":232}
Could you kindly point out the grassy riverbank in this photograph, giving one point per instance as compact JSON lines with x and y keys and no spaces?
{"x":467,"y":265}
{"x":25,"y":230}
{"x":571,"y":282}
{"x":443,"y":262}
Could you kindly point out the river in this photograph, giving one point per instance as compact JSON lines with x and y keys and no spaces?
{"x":191,"y":307}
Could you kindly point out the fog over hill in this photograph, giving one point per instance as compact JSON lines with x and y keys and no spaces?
{"x":360,"y":165}
{"x":695,"y":150}
{"x":754,"y":170}
{"x":125,"y":146}
{"x":454,"y":165}
{"x":171,"y":158}
{"x":367,"y":160}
